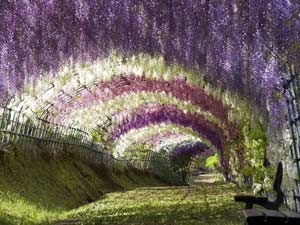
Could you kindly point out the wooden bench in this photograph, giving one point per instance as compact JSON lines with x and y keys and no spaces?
{"x":270,"y":214}
{"x":270,"y":217}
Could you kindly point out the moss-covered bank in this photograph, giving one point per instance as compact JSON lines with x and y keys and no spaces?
{"x":36,"y":188}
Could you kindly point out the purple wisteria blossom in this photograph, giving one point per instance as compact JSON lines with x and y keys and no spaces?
{"x":191,"y":149}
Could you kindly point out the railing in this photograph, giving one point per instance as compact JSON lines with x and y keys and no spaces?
{"x":292,"y":90}
{"x":156,"y":163}
{"x":17,"y":128}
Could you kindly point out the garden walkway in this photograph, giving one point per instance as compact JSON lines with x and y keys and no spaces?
{"x":206,"y":202}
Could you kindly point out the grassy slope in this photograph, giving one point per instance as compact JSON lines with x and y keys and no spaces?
{"x":37,"y":189}
{"x":204,"y":203}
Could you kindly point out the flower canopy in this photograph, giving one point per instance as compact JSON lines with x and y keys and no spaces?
{"x":204,"y":71}
{"x":139,"y":95}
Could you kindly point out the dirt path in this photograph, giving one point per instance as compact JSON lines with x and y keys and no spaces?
{"x":206,"y":201}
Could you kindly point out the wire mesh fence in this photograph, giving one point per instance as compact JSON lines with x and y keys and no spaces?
{"x":17,"y":128}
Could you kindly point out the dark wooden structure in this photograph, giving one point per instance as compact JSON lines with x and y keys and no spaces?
{"x":250,"y":200}
{"x":291,"y":85}
{"x":270,"y":217}
{"x":270,"y":213}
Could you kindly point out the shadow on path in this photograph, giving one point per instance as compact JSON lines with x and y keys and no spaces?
{"x":207,"y":201}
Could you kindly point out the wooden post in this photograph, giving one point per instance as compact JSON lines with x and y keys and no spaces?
{"x":2,"y":127}
{"x":9,"y":125}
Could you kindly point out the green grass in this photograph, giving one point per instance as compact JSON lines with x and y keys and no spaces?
{"x":15,"y":209}
{"x":204,"y":203}
{"x":37,"y":189}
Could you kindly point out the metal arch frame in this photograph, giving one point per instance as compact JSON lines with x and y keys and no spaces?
{"x":63,"y":95}
{"x":291,"y":87}
{"x":50,"y":107}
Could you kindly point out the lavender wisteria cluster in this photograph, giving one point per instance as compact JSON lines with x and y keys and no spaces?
{"x":125,"y":84}
{"x":231,"y":40}
{"x":156,"y":113}
{"x":236,"y":45}
{"x":191,"y":150}
{"x":182,"y":154}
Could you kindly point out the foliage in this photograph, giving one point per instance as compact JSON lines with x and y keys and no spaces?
{"x":156,"y":113}
{"x":213,"y":162}
{"x":233,"y":45}
{"x":227,"y":39}
{"x":242,"y":22}
{"x":90,"y":52}
{"x":182,"y":154}
{"x":136,"y":151}
{"x":148,"y":134}
{"x":256,"y":169}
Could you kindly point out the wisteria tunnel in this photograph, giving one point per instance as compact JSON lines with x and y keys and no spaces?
{"x":147,"y":98}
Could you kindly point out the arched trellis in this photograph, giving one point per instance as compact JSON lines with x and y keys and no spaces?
{"x":81,"y":93}
{"x":132,"y":83}
{"x":226,"y":39}
{"x":102,"y":91}
{"x":149,"y":133}
{"x":165,"y":140}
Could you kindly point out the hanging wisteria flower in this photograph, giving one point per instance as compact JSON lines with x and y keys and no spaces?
{"x":191,"y":150}
{"x":220,"y":57}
